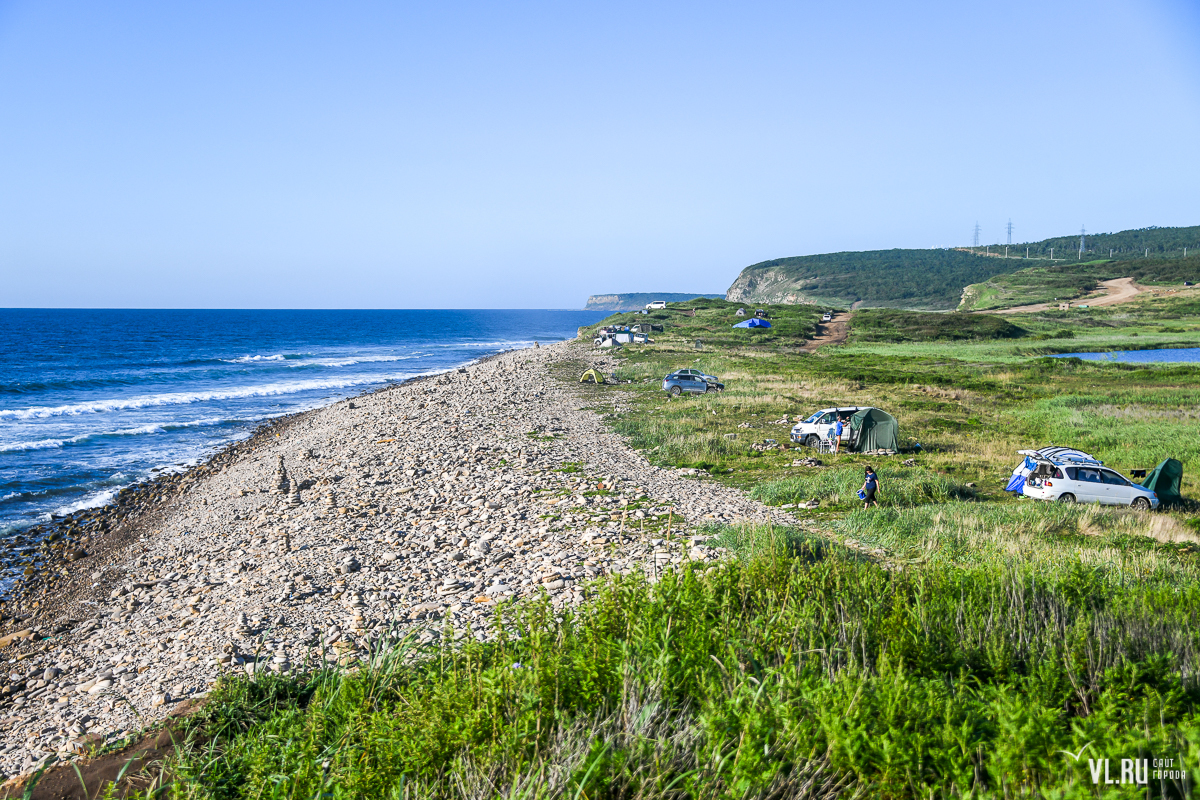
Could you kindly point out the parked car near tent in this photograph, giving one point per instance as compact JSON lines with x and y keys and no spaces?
{"x":1077,"y":480}
{"x":677,"y":383}
{"x":863,"y":428}
{"x":820,"y":425}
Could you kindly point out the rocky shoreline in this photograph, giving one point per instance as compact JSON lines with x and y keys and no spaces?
{"x":411,"y":510}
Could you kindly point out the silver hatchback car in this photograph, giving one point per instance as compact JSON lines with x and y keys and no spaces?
{"x":677,"y":383}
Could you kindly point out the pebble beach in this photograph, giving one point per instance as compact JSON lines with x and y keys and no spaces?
{"x":409,"y":511}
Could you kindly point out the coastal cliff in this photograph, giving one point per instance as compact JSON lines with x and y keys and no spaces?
{"x":767,"y":286}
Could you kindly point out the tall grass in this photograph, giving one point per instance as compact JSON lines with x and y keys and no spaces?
{"x":1131,"y":429}
{"x":838,"y":486}
{"x":796,"y":671}
{"x":1118,"y":545}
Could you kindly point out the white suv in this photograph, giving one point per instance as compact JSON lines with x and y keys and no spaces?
{"x":656,"y":305}
{"x":820,"y":425}
{"x":1084,"y":483}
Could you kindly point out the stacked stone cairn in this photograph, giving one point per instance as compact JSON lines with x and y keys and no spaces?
{"x":282,"y":484}
{"x":294,"y":500}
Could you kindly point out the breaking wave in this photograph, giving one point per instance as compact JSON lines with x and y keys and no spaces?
{"x":184,"y":398}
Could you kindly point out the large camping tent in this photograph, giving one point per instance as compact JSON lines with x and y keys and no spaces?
{"x":874,"y":429}
{"x":1164,"y":480}
{"x":753,"y":322}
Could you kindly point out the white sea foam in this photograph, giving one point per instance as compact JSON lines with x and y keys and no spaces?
{"x":508,"y":345}
{"x":142,"y":430}
{"x":43,"y":444}
{"x":183,"y":398}
{"x":100,"y":498}
{"x":252,"y":359}
{"x":349,"y":362}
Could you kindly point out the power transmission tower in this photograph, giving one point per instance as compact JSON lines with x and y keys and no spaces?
{"x":976,"y":234}
{"x":1082,"y":234}
{"x":1009,"y":231}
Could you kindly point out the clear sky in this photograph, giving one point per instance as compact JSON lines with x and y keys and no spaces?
{"x":508,"y":155}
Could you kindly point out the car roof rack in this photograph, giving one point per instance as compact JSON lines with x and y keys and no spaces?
{"x":1062,"y":456}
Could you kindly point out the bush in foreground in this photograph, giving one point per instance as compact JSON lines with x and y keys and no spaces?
{"x":798,"y":670}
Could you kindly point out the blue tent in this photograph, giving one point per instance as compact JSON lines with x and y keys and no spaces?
{"x":753,"y":322}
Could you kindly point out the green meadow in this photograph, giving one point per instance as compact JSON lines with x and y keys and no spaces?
{"x":954,"y":642}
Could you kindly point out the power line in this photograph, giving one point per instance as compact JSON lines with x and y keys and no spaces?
{"x":1010,"y":231}
{"x":976,"y":234}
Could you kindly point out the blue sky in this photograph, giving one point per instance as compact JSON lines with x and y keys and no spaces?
{"x":526,"y":155}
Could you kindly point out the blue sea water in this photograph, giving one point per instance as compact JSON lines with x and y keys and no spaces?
{"x":93,"y":400}
{"x":1171,"y":356}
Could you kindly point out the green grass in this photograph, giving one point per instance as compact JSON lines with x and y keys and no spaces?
{"x":954,"y":643}
{"x":799,"y":664}
{"x":887,"y":325}
{"x":712,"y":324}
{"x":1122,"y":546}
{"x":838,"y":487}
{"x":1045,"y":283}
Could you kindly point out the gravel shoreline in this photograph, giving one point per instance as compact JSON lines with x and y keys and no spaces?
{"x":336,"y":530}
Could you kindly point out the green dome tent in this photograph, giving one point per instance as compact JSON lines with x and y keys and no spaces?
{"x":1164,"y":480}
{"x":874,"y":429}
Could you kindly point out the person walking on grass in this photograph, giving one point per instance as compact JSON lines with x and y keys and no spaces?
{"x":837,"y":435}
{"x":869,"y":488}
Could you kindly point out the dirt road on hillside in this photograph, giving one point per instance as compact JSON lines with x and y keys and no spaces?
{"x":1119,"y":290}
{"x":834,"y":332}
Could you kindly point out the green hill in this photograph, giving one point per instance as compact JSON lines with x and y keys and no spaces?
{"x":1152,"y":242}
{"x":918,"y":279}
{"x":934,"y":280}
{"x":1048,"y":281}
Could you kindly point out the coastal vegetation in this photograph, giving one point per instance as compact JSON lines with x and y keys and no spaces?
{"x":1137,"y":244}
{"x":955,"y":641}
{"x":801,"y":667}
{"x":890,"y":325}
{"x":919,"y":279}
{"x":1048,"y":282}
{"x":935,"y":279}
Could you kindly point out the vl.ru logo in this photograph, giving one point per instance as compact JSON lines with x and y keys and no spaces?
{"x":1133,"y":770}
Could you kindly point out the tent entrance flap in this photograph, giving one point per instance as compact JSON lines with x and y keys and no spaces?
{"x":874,"y":429}
{"x":1164,"y":481}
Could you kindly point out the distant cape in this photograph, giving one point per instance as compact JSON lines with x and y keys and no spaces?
{"x":637,"y":300}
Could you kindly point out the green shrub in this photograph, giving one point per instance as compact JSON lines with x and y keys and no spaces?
{"x":794,"y":669}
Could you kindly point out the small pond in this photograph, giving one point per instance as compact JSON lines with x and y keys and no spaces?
{"x":1184,"y":354}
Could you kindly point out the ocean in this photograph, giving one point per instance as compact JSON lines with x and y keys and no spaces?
{"x":93,"y":400}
